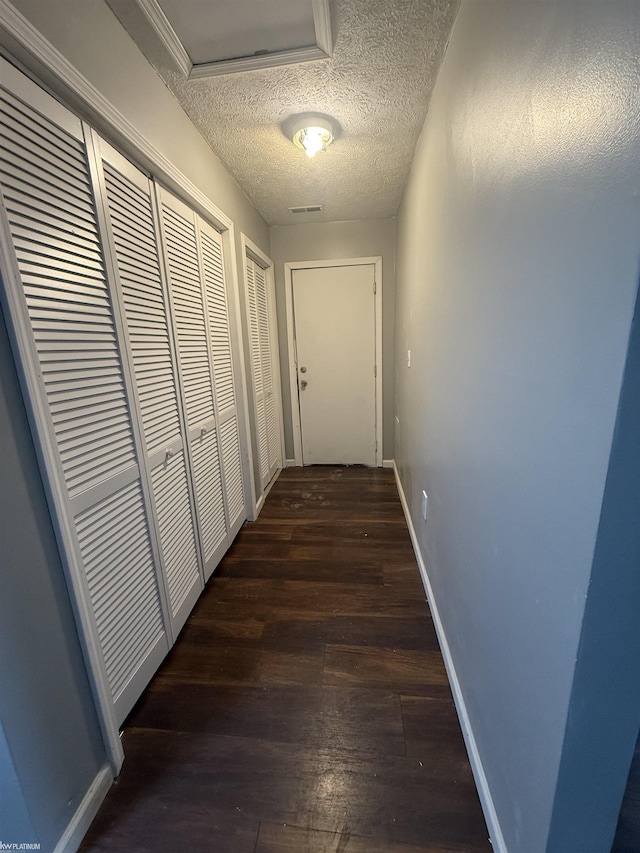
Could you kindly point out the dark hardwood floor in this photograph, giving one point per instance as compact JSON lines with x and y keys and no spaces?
{"x":305,"y":707}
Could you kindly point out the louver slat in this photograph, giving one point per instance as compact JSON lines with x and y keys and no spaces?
{"x":50,"y":207}
{"x":271,"y":423}
{"x":128,"y":618}
{"x":220,"y":340}
{"x":256,"y":369}
{"x":147,"y":322}
{"x":182,"y":257}
{"x":233,"y":471}
{"x":177,"y":534}
{"x":55,"y":278}
{"x":184,"y":276}
{"x":254,"y":332}
{"x":219,"y":334}
{"x":206,"y":466}
{"x":155,"y":409}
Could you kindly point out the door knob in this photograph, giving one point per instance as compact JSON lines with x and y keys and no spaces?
{"x":304,"y":384}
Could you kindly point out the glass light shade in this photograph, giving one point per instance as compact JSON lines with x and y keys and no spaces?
{"x":314,"y":136}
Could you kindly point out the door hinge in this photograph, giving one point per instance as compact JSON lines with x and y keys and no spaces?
{"x":376,"y":445}
{"x":375,"y":370}
{"x":375,"y":287}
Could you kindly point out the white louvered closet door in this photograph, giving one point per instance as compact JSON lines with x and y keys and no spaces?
{"x":69,"y":343}
{"x":256,"y":374}
{"x":267,"y":371}
{"x":262,"y":371}
{"x":133,"y":237}
{"x":223,"y":375}
{"x":182,"y":258}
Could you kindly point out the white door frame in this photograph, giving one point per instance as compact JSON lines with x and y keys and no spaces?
{"x":254,"y":253}
{"x":289,"y":268}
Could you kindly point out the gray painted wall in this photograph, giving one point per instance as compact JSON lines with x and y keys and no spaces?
{"x":325,"y":241}
{"x":47,"y":717}
{"x":604,"y":716}
{"x":517,"y":270}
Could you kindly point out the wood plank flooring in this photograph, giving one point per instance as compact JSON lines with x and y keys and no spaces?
{"x":305,"y":707}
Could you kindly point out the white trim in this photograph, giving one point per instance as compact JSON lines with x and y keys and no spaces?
{"x":289,"y":268}
{"x":152,"y":10}
{"x":253,"y":252}
{"x":322,"y":26}
{"x":237,"y":353}
{"x":263,"y":496}
{"x":171,"y":42}
{"x":85,"y":813}
{"x":254,"y":63}
{"x":388,"y":463}
{"x":290,"y":463}
{"x":482,"y":784}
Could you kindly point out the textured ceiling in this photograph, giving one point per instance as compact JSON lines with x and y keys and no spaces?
{"x":377,"y":86}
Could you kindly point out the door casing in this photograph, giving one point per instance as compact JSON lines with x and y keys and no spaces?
{"x":289,"y":268}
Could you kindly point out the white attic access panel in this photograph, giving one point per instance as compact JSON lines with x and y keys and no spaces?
{"x":202,"y":39}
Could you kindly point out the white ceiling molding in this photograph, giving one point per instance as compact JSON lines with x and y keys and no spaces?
{"x":178,"y":53}
{"x":166,"y":34}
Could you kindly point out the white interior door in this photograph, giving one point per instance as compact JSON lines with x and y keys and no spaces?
{"x":334,"y":316}
{"x":263,"y":371}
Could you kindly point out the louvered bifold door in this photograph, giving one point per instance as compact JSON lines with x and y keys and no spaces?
{"x":262,"y":440}
{"x":225,"y":402}
{"x":133,"y":236}
{"x":264,"y":325}
{"x":68,"y":341}
{"x":182,"y":258}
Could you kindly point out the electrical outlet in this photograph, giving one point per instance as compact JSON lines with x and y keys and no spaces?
{"x":425,"y":504}
{"x":408,"y":358}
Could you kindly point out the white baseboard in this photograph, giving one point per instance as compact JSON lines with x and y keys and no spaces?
{"x":85,"y":813}
{"x":493,"y":824}
{"x":290,"y":463}
{"x":387,"y":463}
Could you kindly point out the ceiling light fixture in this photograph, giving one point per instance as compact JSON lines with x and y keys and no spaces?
{"x":311,"y":131}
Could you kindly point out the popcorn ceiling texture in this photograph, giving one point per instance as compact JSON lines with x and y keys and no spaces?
{"x":377,"y":86}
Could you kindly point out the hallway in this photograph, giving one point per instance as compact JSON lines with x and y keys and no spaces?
{"x":305,"y":707}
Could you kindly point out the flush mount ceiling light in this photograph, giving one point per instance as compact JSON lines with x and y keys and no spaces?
{"x":311,"y":131}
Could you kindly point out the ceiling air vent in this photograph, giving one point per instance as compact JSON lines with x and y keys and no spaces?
{"x":310,"y":208}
